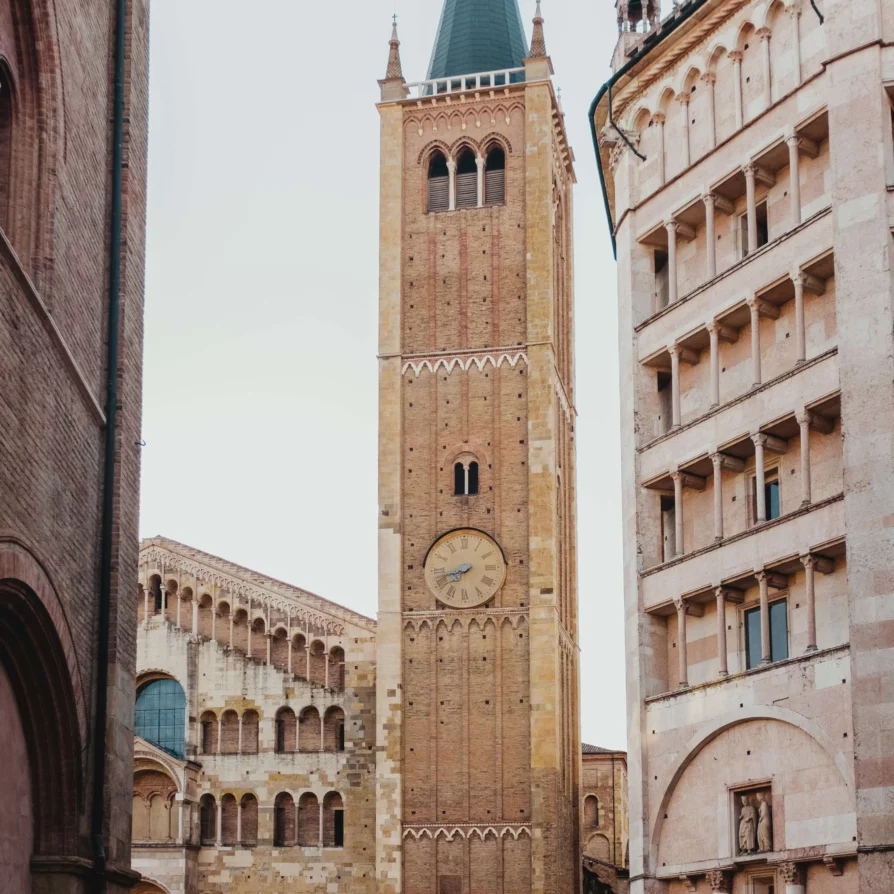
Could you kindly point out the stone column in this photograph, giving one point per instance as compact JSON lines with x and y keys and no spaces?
{"x":195,"y":612}
{"x":720,"y":593}
{"x":754,"y":306}
{"x":750,"y":171}
{"x":248,"y":647}
{"x":800,"y":326}
{"x":479,"y":161}
{"x":793,"y":878}
{"x":795,"y":13}
{"x":289,"y":637}
{"x":714,"y":333}
{"x":219,"y":836}
{"x":239,"y":823}
{"x":764,"y":582}
{"x":717,"y":461}
{"x":681,"y":642}
{"x":146,"y":606}
{"x":710,"y":80}
{"x":736,"y":58}
{"x":451,"y":186}
{"x":326,"y":641}
{"x":676,"y":409}
{"x":794,"y":167}
{"x":804,"y":420}
{"x":322,"y":739}
{"x":671,"y":227}
{"x":760,"y":508}
{"x":678,"y":511}
{"x":710,"y":234}
{"x":232,"y":613}
{"x":683,"y":99}
{"x":658,"y":119}
{"x":219,"y":731}
{"x":764,"y":35}
{"x":809,"y":563}
{"x":239,"y":747}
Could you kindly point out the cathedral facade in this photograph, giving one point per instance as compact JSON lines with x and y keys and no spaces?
{"x":747,"y":156}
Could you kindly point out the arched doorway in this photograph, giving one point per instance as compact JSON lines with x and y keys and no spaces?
{"x":16,"y":807}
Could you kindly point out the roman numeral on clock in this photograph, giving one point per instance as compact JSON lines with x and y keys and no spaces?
{"x":463,"y":542}
{"x":490,"y":567}
{"x":451,"y":547}
{"x":451,"y":591}
{"x":488,"y":555}
{"x":488,"y":582}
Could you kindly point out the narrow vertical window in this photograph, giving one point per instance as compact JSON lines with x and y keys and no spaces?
{"x":473,"y":479}
{"x":495,"y":177}
{"x":466,"y":180}
{"x":438,"y":183}
{"x":208,"y":820}
{"x":459,"y":479}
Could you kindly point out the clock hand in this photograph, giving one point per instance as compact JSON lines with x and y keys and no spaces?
{"x":457,"y":573}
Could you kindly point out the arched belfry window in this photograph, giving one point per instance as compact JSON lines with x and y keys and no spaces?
{"x":465,"y":478}
{"x":495,"y":177}
{"x":438,"y":183}
{"x":466,"y":180}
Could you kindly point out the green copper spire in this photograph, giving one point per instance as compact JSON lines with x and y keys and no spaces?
{"x":476,"y":36}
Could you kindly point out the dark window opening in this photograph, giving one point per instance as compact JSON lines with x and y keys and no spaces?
{"x":465,"y":479}
{"x":668,"y":528}
{"x":664,"y":384}
{"x":778,"y":634}
{"x":466,"y":180}
{"x":339,"y":828}
{"x":438,"y":183}
{"x":662,"y":282}
{"x":156,"y":597}
{"x":772,"y":495}
{"x":763,"y":228}
{"x":495,"y":177}
{"x":208,"y":820}
{"x":341,"y":737}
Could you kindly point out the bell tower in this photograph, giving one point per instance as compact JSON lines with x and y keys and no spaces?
{"x":478,"y":768}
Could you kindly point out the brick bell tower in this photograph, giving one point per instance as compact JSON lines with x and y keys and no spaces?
{"x":477,"y":665}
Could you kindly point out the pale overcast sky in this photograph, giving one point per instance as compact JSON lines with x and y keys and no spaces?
{"x":260,"y":381}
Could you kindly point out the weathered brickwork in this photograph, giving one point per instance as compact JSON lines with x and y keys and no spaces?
{"x":747,"y":181}
{"x":274,"y":784}
{"x":478,"y":744}
{"x":56,"y":109}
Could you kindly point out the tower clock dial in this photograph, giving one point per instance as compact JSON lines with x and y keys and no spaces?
{"x":465,"y":568}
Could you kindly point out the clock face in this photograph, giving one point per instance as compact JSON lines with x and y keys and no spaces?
{"x":465,"y":569}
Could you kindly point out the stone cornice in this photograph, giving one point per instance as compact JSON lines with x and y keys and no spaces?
{"x":210,"y":570}
{"x":465,"y":830}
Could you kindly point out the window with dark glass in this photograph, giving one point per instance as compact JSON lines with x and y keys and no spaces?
{"x":772,"y":495}
{"x":161,"y":715}
{"x":778,"y":634}
{"x":465,"y":479}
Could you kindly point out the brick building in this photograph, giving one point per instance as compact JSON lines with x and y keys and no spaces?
{"x":255,"y":726}
{"x":747,"y":156}
{"x":605,"y":821}
{"x":477,"y":658}
{"x":72,"y":212}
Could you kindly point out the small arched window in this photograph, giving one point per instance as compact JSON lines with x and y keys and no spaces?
{"x":309,"y":730}
{"x":209,"y":733}
{"x":334,"y":732}
{"x":309,"y":820}
{"x":208,"y":820}
{"x":591,"y":811}
{"x":337,"y":669}
{"x":229,"y":733}
{"x":465,"y":479}
{"x":249,"y":821}
{"x":466,"y":180}
{"x":229,"y":820}
{"x":284,"y":820}
{"x":250,"y":732}
{"x":495,"y":177}
{"x":286,"y":728}
{"x":156,"y":599}
{"x":161,"y":715}
{"x":333,"y":820}
{"x":438,"y":183}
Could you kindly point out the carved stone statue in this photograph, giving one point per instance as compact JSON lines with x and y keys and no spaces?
{"x":747,"y":827}
{"x":764,"y":823}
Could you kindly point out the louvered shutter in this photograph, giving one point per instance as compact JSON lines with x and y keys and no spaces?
{"x":467,"y":190}
{"x":495,"y":188}
{"x":438,"y":193}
